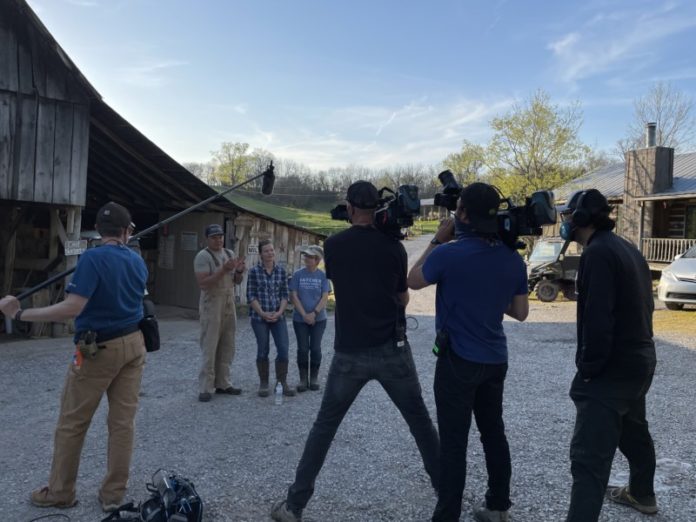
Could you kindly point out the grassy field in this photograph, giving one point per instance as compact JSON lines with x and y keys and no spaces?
{"x":315,"y":221}
{"x":673,"y":321}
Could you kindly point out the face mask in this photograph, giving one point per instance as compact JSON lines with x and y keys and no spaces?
{"x":462,"y":229}
{"x":567,"y":231}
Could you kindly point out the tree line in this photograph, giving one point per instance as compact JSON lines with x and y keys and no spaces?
{"x":533,"y":146}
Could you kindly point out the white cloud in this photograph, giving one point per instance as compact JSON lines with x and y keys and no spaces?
{"x":618,"y":40}
{"x":149,"y":75}
{"x":420,"y":132}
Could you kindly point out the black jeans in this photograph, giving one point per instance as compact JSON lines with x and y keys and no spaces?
{"x":309,"y":343}
{"x":610,"y":414}
{"x":462,"y":387}
{"x":395,"y":370}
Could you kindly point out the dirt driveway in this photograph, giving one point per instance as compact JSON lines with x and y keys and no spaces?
{"x":241,"y":452}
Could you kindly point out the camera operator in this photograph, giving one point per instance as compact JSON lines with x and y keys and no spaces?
{"x":478,"y":280}
{"x":105,"y":296}
{"x":615,"y":360}
{"x":368,"y":272}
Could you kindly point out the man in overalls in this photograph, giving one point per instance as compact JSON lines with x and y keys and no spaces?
{"x":217,"y":271}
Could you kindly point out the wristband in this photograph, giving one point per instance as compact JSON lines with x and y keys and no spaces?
{"x":435,"y":241}
{"x":316,"y":312}
{"x":18,"y":315}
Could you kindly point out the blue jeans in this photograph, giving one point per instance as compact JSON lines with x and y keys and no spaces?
{"x":263,"y":331}
{"x":395,"y":370}
{"x":461,"y":388}
{"x":309,"y":343}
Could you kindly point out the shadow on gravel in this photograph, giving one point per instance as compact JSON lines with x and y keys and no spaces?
{"x":241,"y":452}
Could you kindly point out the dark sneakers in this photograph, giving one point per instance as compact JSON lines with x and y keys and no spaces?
{"x":229,"y":391}
{"x":483,"y":514}
{"x":43,"y":498}
{"x":622,"y":495}
{"x":204,"y":397}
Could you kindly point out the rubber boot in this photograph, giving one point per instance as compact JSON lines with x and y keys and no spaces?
{"x":314,"y":378}
{"x":262,"y":367}
{"x":304,"y":383}
{"x":281,"y":369}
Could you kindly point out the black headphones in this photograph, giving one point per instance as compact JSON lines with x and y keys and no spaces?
{"x":581,"y":217}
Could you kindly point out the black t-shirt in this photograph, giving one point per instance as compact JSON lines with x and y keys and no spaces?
{"x":368,"y":271}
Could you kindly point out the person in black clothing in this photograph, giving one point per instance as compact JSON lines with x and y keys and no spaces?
{"x":615,"y":360}
{"x":368,"y":272}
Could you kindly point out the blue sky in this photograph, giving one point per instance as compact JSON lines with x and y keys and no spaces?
{"x":368,"y":82}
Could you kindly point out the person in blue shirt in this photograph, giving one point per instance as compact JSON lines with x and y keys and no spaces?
{"x":479,"y":280}
{"x":105,"y":296}
{"x":309,"y":291}
{"x":267,"y":295}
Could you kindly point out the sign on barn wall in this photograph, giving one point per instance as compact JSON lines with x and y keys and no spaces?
{"x":75,"y":248}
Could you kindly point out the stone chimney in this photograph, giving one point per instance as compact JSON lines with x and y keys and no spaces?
{"x":648,"y":171}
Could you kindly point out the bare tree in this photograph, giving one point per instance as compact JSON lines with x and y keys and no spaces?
{"x":673,"y":112}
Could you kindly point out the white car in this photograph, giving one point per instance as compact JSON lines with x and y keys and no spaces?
{"x":678,"y":281}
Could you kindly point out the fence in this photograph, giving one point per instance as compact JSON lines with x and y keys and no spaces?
{"x":664,"y":250}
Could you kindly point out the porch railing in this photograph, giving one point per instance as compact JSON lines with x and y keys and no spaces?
{"x":664,"y":250}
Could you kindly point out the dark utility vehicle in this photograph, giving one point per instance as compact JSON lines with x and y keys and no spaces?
{"x":551,"y":269}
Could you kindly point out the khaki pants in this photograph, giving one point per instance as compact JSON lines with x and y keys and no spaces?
{"x":117,"y":370}
{"x":218,"y":326}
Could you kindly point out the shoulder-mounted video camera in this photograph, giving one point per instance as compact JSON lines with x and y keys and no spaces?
{"x":513,"y":221}
{"x":395,"y":210}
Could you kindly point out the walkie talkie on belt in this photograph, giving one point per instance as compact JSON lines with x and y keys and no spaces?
{"x":87,"y":344}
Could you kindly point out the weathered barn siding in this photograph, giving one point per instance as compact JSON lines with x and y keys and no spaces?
{"x":44,"y":120}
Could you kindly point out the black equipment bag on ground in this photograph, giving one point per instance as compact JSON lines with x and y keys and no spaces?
{"x":149,"y":327}
{"x":172,"y":499}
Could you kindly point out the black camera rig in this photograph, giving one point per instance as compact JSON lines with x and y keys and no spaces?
{"x":513,"y":221}
{"x":395,"y":210}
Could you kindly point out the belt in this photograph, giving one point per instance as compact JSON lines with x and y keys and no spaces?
{"x":110,"y":336}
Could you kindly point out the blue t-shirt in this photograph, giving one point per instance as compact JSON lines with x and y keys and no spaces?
{"x":476,"y":281}
{"x":113,"y":279}
{"x":309,"y":287}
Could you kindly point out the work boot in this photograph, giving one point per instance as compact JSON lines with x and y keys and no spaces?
{"x":304,"y":383}
{"x":622,"y":495}
{"x":43,"y":498}
{"x":281,"y":369}
{"x":483,"y":514}
{"x":281,"y":513}
{"x":262,"y":367}
{"x":314,"y":378}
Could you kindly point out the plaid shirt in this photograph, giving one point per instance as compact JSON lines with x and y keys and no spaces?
{"x":268,"y":289}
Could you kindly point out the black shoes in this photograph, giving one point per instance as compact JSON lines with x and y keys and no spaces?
{"x":204,"y":397}
{"x":229,"y":391}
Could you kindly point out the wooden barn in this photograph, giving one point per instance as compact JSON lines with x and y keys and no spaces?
{"x":64,"y":153}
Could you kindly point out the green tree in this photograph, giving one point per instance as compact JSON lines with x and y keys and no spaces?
{"x":234,"y":162}
{"x":467,"y":164}
{"x":535,"y":146}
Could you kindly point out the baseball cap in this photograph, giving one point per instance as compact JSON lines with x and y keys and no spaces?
{"x":313,"y":250}
{"x":592,"y":200}
{"x":214,"y":230}
{"x":481,"y":202}
{"x":363,"y":194}
{"x":113,"y":214}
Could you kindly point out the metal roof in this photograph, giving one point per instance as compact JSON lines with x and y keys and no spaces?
{"x":609,"y":181}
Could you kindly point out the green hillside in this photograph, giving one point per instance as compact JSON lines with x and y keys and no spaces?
{"x":315,"y":221}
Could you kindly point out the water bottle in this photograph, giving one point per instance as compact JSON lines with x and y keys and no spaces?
{"x":279,"y":394}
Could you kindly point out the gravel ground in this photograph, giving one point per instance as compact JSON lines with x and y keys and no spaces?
{"x":241,"y":452}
